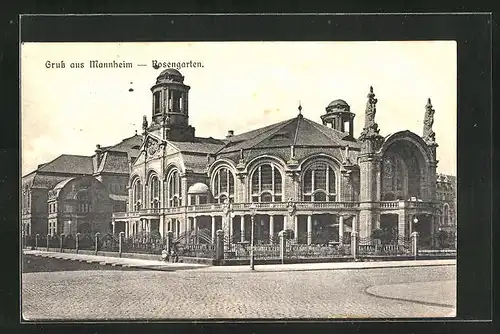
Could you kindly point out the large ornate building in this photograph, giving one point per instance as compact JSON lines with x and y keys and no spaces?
{"x":316,"y":179}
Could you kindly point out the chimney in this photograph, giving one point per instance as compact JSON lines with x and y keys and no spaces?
{"x":230,"y":133}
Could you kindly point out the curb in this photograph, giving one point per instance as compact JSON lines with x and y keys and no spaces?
{"x":114,"y":264}
{"x":406,"y":299}
{"x":319,"y":269}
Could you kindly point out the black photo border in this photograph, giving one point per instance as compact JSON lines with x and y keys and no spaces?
{"x":471,"y":31}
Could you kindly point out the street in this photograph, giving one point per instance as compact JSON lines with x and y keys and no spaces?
{"x":188,"y":294}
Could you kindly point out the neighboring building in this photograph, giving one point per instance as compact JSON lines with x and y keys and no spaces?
{"x":318,"y":180}
{"x":446,"y":194}
{"x":78,"y":191}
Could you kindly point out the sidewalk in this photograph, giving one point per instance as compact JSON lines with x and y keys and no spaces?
{"x":328,"y":266}
{"x":116,"y":261}
{"x":167,"y":266}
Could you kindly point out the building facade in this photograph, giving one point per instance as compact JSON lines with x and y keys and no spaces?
{"x":317,"y":179}
{"x":74,"y":193}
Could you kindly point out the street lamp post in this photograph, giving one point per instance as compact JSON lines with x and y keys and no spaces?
{"x":253,"y":211}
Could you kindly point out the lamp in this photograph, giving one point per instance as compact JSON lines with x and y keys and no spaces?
{"x":253,"y":212}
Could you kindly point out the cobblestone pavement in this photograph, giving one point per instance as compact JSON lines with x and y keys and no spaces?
{"x":101,"y":295}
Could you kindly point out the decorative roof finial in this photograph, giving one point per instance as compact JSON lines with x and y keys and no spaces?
{"x":300,"y":108}
{"x":136,"y":132}
{"x":144,"y":122}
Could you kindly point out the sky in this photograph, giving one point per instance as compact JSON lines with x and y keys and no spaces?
{"x":240,"y":86}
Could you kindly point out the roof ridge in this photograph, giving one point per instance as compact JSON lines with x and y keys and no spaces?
{"x":279,"y":127}
{"x":269,"y":128}
{"x":321,"y":129}
{"x":299,"y":116}
{"x":272,"y":130}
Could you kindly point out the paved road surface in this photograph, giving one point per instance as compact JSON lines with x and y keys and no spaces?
{"x":191,"y":294}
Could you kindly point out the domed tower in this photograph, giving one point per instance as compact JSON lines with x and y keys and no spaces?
{"x":339,"y":117}
{"x":170,"y":106}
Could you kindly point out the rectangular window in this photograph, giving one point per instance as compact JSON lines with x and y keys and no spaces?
{"x":203,"y":199}
{"x":320,"y":178}
{"x":266,"y":177}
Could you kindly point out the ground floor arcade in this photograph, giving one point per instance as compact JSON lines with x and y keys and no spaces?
{"x":307,"y":227}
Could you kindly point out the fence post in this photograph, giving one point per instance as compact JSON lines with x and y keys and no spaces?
{"x":97,"y":242}
{"x":414,"y":244}
{"x":281,"y":235}
{"x":120,"y":243}
{"x":77,"y":241}
{"x":219,"y":245}
{"x":168,"y":245}
{"x":61,"y":243}
{"x":36,"y":241}
{"x":48,"y":238}
{"x":354,"y":245}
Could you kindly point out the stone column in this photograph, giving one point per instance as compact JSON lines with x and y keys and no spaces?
{"x":161,"y":225}
{"x":213,"y":228}
{"x":112,"y":223}
{"x":341,"y":229}
{"x":242,"y":228}
{"x":195,"y":228}
{"x":401,"y":227}
{"x":296,"y":227}
{"x":271,"y":229}
{"x":127,"y":229}
{"x":309,"y":229}
{"x":231,"y":228}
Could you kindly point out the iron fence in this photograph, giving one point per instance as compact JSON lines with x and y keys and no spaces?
{"x":142,"y":245}
{"x":195,"y":250}
{"x":317,"y":251}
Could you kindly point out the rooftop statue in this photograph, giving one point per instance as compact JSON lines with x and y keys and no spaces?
{"x":428,"y":134}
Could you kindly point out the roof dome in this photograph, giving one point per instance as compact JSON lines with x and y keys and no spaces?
{"x":338,"y":105}
{"x":338,"y":102}
{"x":198,"y":189}
{"x":170,"y":71}
{"x":170,"y":74}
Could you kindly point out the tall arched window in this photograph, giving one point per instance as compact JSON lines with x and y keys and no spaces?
{"x":83,"y":202}
{"x":267,"y":184}
{"x":319,"y":183}
{"x":154,"y":192}
{"x":394,"y":178}
{"x":137,"y":194}
{"x":223,"y":185}
{"x":174,"y":189}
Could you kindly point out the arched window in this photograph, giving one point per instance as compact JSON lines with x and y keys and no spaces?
{"x":174,"y":189}
{"x":446,"y":214}
{"x":267,"y":184}
{"x":223,"y":185}
{"x":83,"y":202}
{"x":154,"y":192}
{"x":156,"y":102}
{"x":319,"y":183}
{"x":137,"y":194}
